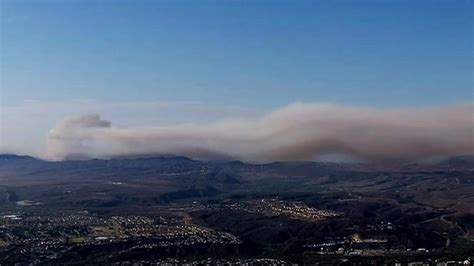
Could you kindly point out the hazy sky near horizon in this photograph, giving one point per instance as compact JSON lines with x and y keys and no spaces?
{"x":154,"y":63}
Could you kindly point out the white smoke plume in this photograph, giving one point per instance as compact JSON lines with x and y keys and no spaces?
{"x":300,"y":131}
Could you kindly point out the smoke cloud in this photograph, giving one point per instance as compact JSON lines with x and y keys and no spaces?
{"x":301,"y":131}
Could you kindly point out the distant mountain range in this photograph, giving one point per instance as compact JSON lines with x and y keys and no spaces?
{"x":150,"y":159}
{"x":23,"y":163}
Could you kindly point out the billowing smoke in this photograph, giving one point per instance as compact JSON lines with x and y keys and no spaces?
{"x":299,"y":131}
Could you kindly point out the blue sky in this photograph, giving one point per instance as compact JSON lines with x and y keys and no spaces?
{"x":261,"y":54}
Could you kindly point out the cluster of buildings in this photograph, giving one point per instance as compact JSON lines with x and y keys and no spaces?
{"x":382,"y":226}
{"x":54,"y":234}
{"x":356,"y":245}
{"x":267,"y":207}
{"x":209,"y":261}
{"x":276,"y":207}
